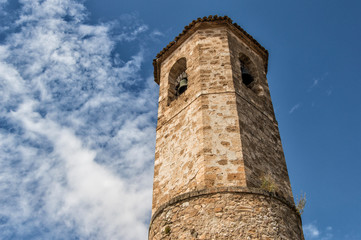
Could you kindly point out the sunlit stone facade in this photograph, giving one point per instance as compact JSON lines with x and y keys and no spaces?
{"x":219,"y":171}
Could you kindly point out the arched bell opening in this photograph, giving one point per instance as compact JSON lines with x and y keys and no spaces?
{"x":178,"y":79}
{"x":249,"y":75}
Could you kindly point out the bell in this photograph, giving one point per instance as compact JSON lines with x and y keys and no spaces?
{"x":183,"y":84}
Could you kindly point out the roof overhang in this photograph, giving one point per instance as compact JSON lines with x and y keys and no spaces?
{"x":208,"y":22}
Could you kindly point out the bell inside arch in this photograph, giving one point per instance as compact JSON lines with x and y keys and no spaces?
{"x":183,"y":84}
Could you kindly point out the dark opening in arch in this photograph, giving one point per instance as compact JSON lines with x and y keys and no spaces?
{"x":247,"y":77}
{"x":250,"y":74}
{"x":178,"y":79}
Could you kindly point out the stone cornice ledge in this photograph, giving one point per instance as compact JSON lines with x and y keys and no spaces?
{"x":221,"y":190}
{"x":193,"y":26}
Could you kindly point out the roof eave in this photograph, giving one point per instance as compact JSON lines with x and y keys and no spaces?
{"x":193,"y":27}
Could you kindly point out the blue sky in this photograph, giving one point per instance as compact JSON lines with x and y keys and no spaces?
{"x":78,"y":110}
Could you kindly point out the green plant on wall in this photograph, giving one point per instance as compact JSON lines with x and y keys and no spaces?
{"x":268,"y":184}
{"x":167,"y":230}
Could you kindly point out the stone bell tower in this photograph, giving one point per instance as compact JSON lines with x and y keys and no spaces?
{"x":219,"y":171}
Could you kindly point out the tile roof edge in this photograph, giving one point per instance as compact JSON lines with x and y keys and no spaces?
{"x":210,"y":18}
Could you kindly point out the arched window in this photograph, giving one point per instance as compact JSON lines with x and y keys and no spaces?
{"x":249,"y":75}
{"x":247,"y":70}
{"x":178,"y":79}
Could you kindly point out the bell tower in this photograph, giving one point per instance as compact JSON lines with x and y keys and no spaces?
{"x":219,"y":170}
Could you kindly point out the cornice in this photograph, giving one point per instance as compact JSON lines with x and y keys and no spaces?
{"x":199,"y":23}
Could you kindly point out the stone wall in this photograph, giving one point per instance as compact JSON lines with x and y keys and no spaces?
{"x":227,"y":214}
{"x":198,"y":142}
{"x":217,"y":142}
{"x":178,"y":165}
{"x":261,"y":143}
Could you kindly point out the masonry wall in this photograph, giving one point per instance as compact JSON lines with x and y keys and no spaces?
{"x":227,"y":216}
{"x":216,"y":136}
{"x":223,"y":159}
{"x":178,"y":166}
{"x":198,"y":143}
{"x":262,"y":149}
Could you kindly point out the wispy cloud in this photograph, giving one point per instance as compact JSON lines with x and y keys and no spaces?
{"x":2,"y":3}
{"x":311,"y":231}
{"x":294,"y":108}
{"x":156,"y":33}
{"x":76,"y":133}
{"x":315,"y":82}
{"x":133,"y":34}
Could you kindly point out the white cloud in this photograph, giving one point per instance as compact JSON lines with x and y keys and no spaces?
{"x":311,"y":231}
{"x":132,"y":35}
{"x":156,"y":33}
{"x":294,"y":108}
{"x":93,"y":195}
{"x":2,"y":4}
{"x":130,"y":31}
{"x":77,"y":132}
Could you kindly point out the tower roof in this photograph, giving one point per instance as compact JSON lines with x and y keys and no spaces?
{"x":204,"y":22}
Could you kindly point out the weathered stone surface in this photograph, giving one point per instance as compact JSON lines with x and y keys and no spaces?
{"x":218,"y":135}
{"x":227,"y":216}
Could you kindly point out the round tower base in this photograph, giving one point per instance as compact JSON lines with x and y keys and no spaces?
{"x":226,"y":215}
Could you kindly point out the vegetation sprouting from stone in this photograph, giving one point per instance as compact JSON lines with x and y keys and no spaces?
{"x":301,"y":203}
{"x":268,"y":184}
{"x":167,"y":230}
